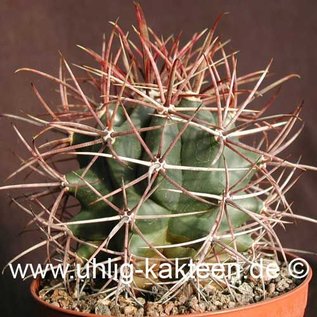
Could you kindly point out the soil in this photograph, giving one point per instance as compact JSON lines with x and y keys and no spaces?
{"x":211,"y":298}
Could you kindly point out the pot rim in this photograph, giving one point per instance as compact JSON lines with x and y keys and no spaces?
{"x":35,"y":285}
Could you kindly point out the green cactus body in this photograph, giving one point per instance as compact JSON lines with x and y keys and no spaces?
{"x":195,"y":147}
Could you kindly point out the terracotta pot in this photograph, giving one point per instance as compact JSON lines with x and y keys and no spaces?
{"x":291,"y":304}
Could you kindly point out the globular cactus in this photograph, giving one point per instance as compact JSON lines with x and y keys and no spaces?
{"x":174,"y":159}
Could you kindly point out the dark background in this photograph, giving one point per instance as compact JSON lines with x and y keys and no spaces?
{"x":32,"y":32}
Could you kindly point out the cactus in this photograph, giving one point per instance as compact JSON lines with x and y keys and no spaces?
{"x":175,"y":158}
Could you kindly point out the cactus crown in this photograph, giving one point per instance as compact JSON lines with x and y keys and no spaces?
{"x":177,"y":159}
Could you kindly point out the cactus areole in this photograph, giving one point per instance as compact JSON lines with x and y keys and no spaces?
{"x":174,"y":159}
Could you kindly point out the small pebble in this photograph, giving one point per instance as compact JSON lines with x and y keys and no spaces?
{"x":271,"y":288}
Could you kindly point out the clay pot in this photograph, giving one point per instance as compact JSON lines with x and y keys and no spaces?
{"x":291,"y":304}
